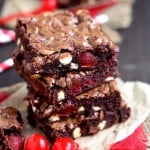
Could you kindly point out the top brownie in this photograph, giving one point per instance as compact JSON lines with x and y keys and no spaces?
{"x":61,"y":41}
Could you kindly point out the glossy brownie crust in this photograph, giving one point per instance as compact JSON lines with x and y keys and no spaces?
{"x":11,"y":129}
{"x":61,"y":42}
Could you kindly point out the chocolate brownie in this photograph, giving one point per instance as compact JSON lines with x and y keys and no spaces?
{"x":70,"y":84}
{"x":11,"y":125}
{"x":70,"y":66}
{"x":89,"y":112}
{"x":61,"y":41}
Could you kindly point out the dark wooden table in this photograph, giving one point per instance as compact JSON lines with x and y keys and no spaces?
{"x":134,"y":54}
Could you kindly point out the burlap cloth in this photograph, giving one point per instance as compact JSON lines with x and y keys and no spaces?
{"x":135,"y":93}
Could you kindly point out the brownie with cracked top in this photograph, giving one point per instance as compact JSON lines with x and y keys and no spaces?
{"x":61,"y":41}
{"x":11,"y":125}
{"x":88,"y":112}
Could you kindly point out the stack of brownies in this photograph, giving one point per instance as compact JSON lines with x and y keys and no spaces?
{"x":70,"y":66}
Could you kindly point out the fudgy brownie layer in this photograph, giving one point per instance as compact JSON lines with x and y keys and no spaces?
{"x":11,"y":125}
{"x":76,"y":120}
{"x":48,"y":65}
{"x":74,"y":86}
{"x":102,"y":90}
{"x":61,"y":42}
{"x":58,"y":87}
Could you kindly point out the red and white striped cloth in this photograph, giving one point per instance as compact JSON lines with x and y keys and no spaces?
{"x":6,"y":36}
{"x":7,"y":64}
{"x":9,"y":35}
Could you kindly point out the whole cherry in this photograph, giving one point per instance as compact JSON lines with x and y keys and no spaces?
{"x":87,"y":59}
{"x":65,"y":144}
{"x":36,"y":142}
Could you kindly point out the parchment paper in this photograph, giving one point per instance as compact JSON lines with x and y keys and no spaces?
{"x":137,"y":95}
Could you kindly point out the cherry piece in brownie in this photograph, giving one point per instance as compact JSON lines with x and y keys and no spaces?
{"x":11,"y":125}
{"x":62,"y":41}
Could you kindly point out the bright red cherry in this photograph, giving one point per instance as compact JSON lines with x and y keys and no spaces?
{"x":65,"y":144}
{"x":36,"y":142}
{"x":87,"y":59}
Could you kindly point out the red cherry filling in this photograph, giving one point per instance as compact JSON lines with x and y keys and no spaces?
{"x":36,"y":142}
{"x":80,"y":84}
{"x":66,"y":111}
{"x":89,"y":82}
{"x":87,"y":59}
{"x":65,"y":144}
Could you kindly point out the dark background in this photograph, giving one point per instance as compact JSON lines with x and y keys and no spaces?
{"x":134,"y":54}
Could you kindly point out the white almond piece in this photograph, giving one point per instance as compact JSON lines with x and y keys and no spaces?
{"x":36,"y":101}
{"x":96,"y":114}
{"x":33,"y":108}
{"x":109,"y":78}
{"x":21,"y":48}
{"x":18,"y":41}
{"x":60,"y":95}
{"x":81,"y":108}
{"x":99,"y":40}
{"x":77,"y":132}
{"x":82,"y":73}
{"x":102,"y":125}
{"x":54,"y":118}
{"x":74,"y":66}
{"x":96,"y":108}
{"x":86,"y":44}
{"x":65,"y":58}
{"x":36,"y":30}
{"x":52,"y":81}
